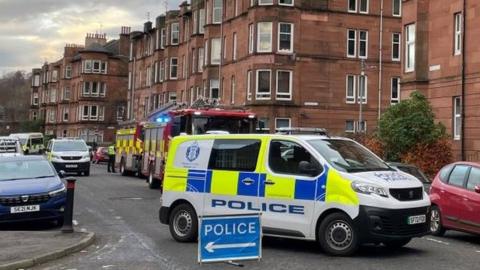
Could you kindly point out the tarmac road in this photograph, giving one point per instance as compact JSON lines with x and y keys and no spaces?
{"x":123,"y":213}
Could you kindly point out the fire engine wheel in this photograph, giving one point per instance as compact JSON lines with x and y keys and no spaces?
{"x":152,"y":182}
{"x":183,"y":223}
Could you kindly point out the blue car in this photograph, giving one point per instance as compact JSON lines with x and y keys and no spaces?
{"x":30,"y":190}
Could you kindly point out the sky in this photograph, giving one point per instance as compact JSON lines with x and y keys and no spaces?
{"x":35,"y":31}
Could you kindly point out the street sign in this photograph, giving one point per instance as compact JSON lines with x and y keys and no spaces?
{"x":229,"y":238}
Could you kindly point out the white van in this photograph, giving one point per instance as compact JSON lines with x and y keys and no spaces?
{"x":10,"y":147}
{"x":326,"y":189}
{"x":69,"y":155}
{"x":32,"y":143}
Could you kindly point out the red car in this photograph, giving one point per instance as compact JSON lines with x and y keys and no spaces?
{"x":455,"y":196}
{"x":101,"y":155}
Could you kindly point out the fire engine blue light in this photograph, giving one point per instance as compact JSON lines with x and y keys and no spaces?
{"x":164,"y":119}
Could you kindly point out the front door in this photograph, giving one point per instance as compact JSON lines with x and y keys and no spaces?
{"x":452,"y":196}
{"x":288,"y":195}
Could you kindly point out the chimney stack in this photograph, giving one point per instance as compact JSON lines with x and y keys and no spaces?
{"x":125,"y":30}
{"x":95,"y":38}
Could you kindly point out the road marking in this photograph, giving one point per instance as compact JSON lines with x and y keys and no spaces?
{"x":75,"y":223}
{"x":118,"y":217}
{"x":437,"y":241}
{"x":478,"y":251}
{"x":108,"y":266}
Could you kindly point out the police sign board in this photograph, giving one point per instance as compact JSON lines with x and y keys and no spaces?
{"x":229,"y":238}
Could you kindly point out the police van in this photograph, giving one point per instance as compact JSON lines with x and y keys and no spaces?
{"x":326,"y":189}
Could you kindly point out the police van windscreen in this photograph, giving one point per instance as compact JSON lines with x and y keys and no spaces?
{"x":70,"y":146}
{"x":348,"y":156}
{"x":202,"y":125}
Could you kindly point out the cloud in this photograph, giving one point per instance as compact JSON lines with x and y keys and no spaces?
{"x":33,"y":31}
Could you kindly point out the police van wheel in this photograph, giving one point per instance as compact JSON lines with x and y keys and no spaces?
{"x":337,"y":236}
{"x":183,"y":223}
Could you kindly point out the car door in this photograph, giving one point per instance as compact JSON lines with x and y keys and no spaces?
{"x":288,"y":194}
{"x":233,"y":177}
{"x":452,"y":196}
{"x":472,"y":206}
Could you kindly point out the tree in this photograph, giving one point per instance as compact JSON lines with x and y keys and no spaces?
{"x":407,"y":125}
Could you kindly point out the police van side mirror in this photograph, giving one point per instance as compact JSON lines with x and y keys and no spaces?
{"x":308,"y":168}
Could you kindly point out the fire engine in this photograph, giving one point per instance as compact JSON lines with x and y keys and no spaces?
{"x":143,"y":147}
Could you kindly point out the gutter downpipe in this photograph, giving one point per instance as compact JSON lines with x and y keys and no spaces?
{"x":463,"y":78}
{"x":380,"y":64}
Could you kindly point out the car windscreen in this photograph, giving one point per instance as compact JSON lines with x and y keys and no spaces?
{"x":232,"y":125}
{"x":348,"y":156}
{"x":22,"y":140}
{"x":25,"y":169}
{"x":69,"y":146}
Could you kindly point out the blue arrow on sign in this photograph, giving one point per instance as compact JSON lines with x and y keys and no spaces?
{"x":229,"y":238}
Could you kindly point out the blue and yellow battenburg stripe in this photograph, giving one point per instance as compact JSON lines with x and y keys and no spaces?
{"x":233,"y":183}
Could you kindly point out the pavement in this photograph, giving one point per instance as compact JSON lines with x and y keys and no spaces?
{"x":23,"y":249}
{"x":123,"y":213}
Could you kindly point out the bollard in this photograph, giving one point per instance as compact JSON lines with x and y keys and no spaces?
{"x":68,"y":214}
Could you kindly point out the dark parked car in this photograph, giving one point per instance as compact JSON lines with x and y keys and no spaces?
{"x":455,"y":197}
{"x":30,"y":190}
{"x":412,"y":170}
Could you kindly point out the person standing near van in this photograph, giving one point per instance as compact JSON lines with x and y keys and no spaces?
{"x":111,"y":159}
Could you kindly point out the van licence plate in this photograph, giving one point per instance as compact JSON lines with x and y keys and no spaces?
{"x":417,"y":219}
{"x":24,"y":209}
{"x":71,"y":166}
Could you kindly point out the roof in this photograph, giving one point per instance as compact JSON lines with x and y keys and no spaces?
{"x":98,"y":48}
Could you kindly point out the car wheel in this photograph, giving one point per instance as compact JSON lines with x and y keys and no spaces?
{"x":436,"y":226}
{"x":183,"y":223}
{"x":398,"y":243}
{"x":337,"y":236}
{"x":123,"y":171}
{"x":152,"y":182}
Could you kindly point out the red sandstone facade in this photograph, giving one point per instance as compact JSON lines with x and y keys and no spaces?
{"x":293,"y":62}
{"x":446,"y":66}
{"x":84,"y":93}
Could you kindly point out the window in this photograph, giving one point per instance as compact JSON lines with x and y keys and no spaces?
{"x":234,"y":155}
{"x":68,"y":72}
{"x":65,"y":114}
{"x":265,"y":2}
{"x":94,"y":113}
{"x":284,"y":157}
{"x":34,"y":116}
{"x":350,"y":126}
{"x":234,"y":47}
{"x":235,"y":8}
{"x":35,"y":98}
{"x":103,"y":89}
{"x":54,"y":76}
{"x":352,"y":5}
{"x":101,"y":113}
{"x":397,"y":8}
{"x":53,"y":95}
{"x":195,"y":21}
{"x":224,"y":47}
{"x":249,"y":85}
{"x":96,"y":66}
{"x":284,"y":85}
{"x":194,"y":61}
{"x":457,"y":118}
{"x":217,"y":11}
{"x":285,"y":2}
{"x":173,"y":68}
{"x":36,"y":80}
{"x":282,"y":123}
{"x":362,"y":89}
{"x":458,"y":34}
{"x":163,"y":38}
{"x":232,"y":90}
{"x":216,"y":52}
{"x":473,"y":179}
{"x":351,"y":88}
{"x":104,"y":68}
{"x":410,"y":48}
{"x":201,"y":59}
{"x":362,"y":126}
{"x":214,"y":89}
{"x":285,"y":37}
{"x":363,"y":6}
{"x":201,"y":21}
{"x":206,"y":53}
{"x":185,"y":67}
{"x":458,"y":175}
{"x":66,"y":93}
{"x":251,"y":38}
{"x":351,"y":43}
{"x":363,"y":44}
{"x":175,"y":33}
{"x":264,"y":37}
{"x":155,"y":72}
{"x":395,"y":91}
{"x":161,"y":72}
{"x":85,"y":112}
{"x":396,"y":46}
{"x":95,"y":89}
{"x":263,"y":84}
